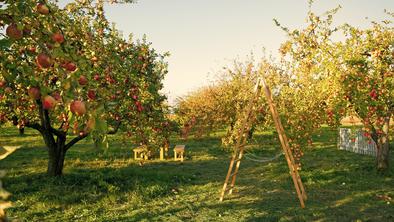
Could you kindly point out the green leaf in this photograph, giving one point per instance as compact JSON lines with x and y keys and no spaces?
{"x":58,"y":52}
{"x":100,"y":109}
{"x":21,"y":6}
{"x":5,"y":43}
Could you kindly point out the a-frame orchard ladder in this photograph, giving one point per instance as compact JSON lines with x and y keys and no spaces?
{"x":283,"y":140}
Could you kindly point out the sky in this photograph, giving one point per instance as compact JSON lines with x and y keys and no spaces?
{"x":202,"y":36}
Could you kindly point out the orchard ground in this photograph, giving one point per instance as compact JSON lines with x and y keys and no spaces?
{"x":341,"y":186}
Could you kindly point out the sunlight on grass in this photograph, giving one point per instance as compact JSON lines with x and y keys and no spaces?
{"x":352,"y":198}
{"x":114,"y":187}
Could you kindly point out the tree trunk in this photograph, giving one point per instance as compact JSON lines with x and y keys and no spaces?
{"x":21,"y":130}
{"x":55,"y":163}
{"x":383,"y":147}
{"x":57,"y":153}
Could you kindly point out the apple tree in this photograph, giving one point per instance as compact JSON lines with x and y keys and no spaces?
{"x":59,"y":70}
{"x":327,"y":80}
{"x":136,"y":107}
{"x":368,"y":82}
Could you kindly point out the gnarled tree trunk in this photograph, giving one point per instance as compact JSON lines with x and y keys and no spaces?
{"x":57,"y":154}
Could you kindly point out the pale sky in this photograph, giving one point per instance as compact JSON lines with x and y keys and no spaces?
{"x":205,"y":35}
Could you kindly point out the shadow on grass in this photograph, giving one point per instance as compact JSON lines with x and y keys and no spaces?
{"x":341,"y":186}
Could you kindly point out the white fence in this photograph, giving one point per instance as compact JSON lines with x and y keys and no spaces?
{"x":356,"y":142}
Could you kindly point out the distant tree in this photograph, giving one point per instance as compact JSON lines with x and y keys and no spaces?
{"x":216,"y":106}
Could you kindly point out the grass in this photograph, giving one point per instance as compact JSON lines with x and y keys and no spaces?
{"x":341,"y":186}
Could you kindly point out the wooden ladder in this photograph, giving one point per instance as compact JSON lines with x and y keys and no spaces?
{"x":241,"y":141}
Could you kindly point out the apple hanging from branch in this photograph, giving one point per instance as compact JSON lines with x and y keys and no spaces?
{"x":78,"y":107}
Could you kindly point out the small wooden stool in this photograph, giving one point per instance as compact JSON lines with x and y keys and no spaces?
{"x":179,"y":150}
{"x":164,"y":151}
{"x":161,"y":153}
{"x":140,"y":153}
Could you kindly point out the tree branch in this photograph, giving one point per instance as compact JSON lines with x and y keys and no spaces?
{"x":35,"y":126}
{"x":48,"y":120}
{"x":45,"y":125}
{"x":74,"y":141}
{"x":41,"y":112}
{"x":58,"y":133}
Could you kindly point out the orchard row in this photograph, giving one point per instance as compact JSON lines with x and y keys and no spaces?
{"x":316,"y":81}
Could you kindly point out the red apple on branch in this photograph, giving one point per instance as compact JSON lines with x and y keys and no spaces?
{"x":42,"y":8}
{"x":78,"y":107}
{"x":13,"y":32}
{"x":70,"y":66}
{"x":34,"y":93}
{"x":48,"y":102}
{"x":58,"y":37}
{"x":43,"y":60}
{"x":32,"y":49}
{"x":49,"y":46}
{"x":82,"y":80}
{"x":91,"y":94}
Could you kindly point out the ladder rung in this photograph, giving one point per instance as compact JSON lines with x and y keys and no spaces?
{"x":233,"y":174}
{"x":239,"y":159}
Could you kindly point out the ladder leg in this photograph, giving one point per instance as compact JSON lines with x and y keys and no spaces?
{"x":230,"y":169}
{"x":234,"y":177}
{"x":302,"y":186}
{"x":297,"y":175}
{"x":290,"y":164}
{"x":303,"y":193}
{"x":230,"y":173}
{"x":300,"y":197}
{"x":286,"y":148}
{"x":290,"y":161}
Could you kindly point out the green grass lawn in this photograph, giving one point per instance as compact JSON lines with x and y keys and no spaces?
{"x":341,"y":186}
